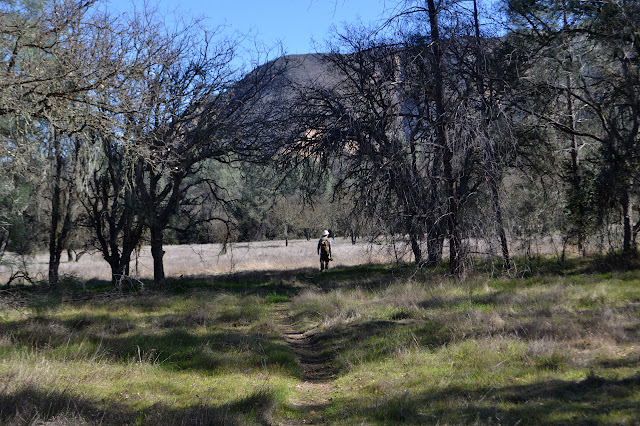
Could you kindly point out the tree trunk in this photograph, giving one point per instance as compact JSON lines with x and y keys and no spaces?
{"x":119,"y":263}
{"x":575,"y":181}
{"x":414,"y":237}
{"x":435,"y":242}
{"x":415,"y":248}
{"x":456,"y":264}
{"x":61,"y":209}
{"x":490,"y":152}
{"x":4,"y":238}
{"x":495,"y":197}
{"x":286,"y":235}
{"x":117,"y":273}
{"x":56,"y":204}
{"x":628,"y":246}
{"x":54,"y":258}
{"x":157,"y":252}
{"x":54,"y":264}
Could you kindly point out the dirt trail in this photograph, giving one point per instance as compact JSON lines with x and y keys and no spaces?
{"x":315,"y":358}
{"x":318,"y":371}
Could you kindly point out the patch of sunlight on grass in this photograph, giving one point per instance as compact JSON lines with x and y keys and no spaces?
{"x":468,"y":364}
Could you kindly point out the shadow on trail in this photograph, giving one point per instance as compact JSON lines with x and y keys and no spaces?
{"x":253,"y":282}
{"x":292,"y":282}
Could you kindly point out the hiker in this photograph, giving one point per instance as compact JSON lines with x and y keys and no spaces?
{"x":324,"y":250}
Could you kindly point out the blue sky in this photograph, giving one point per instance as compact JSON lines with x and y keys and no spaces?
{"x":293,"y":22}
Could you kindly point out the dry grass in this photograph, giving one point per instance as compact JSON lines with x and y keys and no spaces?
{"x":407,"y":346}
{"x":203,"y":358}
{"x":207,"y":259}
{"x":422,"y":351}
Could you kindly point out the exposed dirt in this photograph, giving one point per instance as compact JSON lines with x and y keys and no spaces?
{"x":318,"y":371}
{"x":316,"y":360}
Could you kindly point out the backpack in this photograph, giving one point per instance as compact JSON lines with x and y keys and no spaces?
{"x":324,"y":246}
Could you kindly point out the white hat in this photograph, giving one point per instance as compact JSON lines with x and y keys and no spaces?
{"x":325,"y":232}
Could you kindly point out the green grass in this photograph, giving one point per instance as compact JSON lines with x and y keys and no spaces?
{"x":555,"y":347}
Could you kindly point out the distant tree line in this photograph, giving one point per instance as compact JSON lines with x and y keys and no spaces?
{"x":440,"y":127}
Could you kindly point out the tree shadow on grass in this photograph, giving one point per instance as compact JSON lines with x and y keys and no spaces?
{"x":369,"y":277}
{"x":170,"y":347}
{"x":32,"y":405}
{"x":245,"y":282}
{"x":260,"y":282}
{"x":588,"y":401}
{"x":291,"y":282}
{"x":179,"y":349}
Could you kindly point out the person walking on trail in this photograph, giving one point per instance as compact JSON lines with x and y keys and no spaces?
{"x":324,"y":250}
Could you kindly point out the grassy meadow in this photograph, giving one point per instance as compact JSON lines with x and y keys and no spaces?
{"x":210,"y":259}
{"x":373,"y":344}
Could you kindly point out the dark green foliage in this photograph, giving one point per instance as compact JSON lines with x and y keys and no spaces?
{"x":17,"y":216}
{"x":582,"y":60}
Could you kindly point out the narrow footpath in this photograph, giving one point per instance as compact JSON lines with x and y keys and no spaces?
{"x":318,"y":372}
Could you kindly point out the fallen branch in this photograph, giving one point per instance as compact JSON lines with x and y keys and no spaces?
{"x":19,"y":275}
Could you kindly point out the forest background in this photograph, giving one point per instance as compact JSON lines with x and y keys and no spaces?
{"x":478,"y":170}
{"x":451,"y":135}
